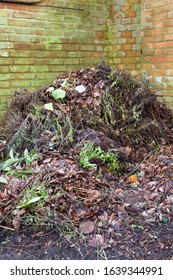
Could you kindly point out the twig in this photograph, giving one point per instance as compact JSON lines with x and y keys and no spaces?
{"x":137,"y":167}
{"x":7,"y":228}
{"x":74,"y":245}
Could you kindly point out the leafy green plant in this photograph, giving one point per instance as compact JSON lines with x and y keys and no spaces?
{"x":36,"y":195}
{"x":14,"y":160}
{"x":29,"y":156}
{"x":90,"y":151}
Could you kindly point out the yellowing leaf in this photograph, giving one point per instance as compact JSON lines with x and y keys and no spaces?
{"x":49,"y":107}
{"x":133,"y":178}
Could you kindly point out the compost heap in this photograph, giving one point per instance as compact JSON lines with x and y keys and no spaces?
{"x":88,"y":153}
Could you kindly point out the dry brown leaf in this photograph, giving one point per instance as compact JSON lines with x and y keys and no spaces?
{"x":119,"y":193}
{"x":100,"y":239}
{"x":47,"y":160}
{"x":92,"y":196}
{"x":117,"y":132}
{"x":92,"y":243}
{"x":16,"y":222}
{"x":111,"y":218}
{"x":127,"y":151}
{"x":21,"y":212}
{"x":87,"y":227}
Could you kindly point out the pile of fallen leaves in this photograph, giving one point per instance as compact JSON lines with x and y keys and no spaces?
{"x":107,"y":101}
{"x":126,"y":176}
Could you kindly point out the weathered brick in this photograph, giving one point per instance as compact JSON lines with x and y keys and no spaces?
{"x":37,"y":43}
{"x":19,"y":69}
{"x":17,"y":83}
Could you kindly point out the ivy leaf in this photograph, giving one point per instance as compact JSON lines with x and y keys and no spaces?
{"x":58,"y":94}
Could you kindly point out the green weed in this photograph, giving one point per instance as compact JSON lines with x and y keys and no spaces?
{"x":36,"y":195}
{"x":90,"y":151}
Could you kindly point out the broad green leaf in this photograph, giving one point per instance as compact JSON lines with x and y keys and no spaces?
{"x":3,"y":180}
{"x":26,"y":152}
{"x":49,"y":107}
{"x":31,"y":201}
{"x":58,"y":94}
{"x":11,"y":153}
{"x":27,"y":157}
{"x":8,"y":163}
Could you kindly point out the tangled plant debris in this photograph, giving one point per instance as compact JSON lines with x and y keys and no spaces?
{"x":90,"y":153}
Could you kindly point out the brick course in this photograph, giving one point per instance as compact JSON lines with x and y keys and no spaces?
{"x":39,"y":41}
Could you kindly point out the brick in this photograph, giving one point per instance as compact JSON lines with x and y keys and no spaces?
{"x":126,"y":47}
{"x":72,"y":61}
{"x":25,"y":76}
{"x":23,"y":46}
{"x":6,"y":61}
{"x":17,"y":22}
{"x":19,"y":53}
{"x":126,"y":34}
{"x":17,"y":84}
{"x":23,"y":61}
{"x":2,"y":5}
{"x":72,"y":54}
{"x":6,"y":45}
{"x":19,"y":69}
{"x":4,"y":84}
{"x":44,"y":68}
{"x":37,"y":83}
{"x":4,"y":54}
{"x":131,"y":14}
{"x":58,"y":61}
{"x":57,"y":68}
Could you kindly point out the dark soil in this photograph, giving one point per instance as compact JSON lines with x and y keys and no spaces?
{"x":153,"y":243}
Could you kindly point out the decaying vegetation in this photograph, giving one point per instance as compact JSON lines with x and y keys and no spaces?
{"x":76,"y":154}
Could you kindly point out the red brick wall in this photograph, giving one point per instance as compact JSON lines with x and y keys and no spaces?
{"x":157,"y":45}
{"x":124,"y":34}
{"x":140,"y":39}
{"x":38,"y":41}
